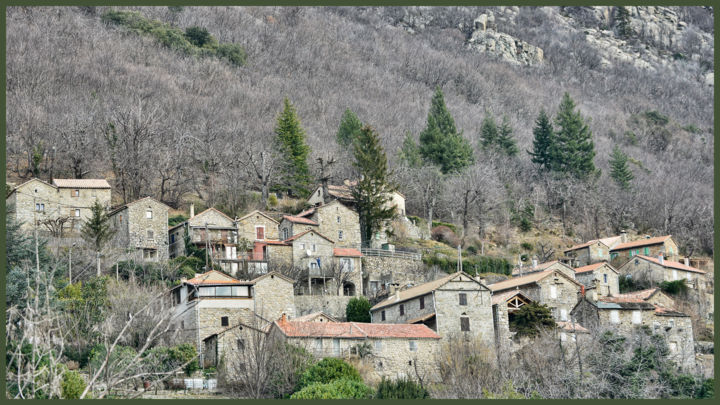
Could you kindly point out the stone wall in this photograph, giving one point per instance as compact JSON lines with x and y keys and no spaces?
{"x":246,"y":227}
{"x":139,"y":232}
{"x":400,"y":270}
{"x":641,"y":269}
{"x":280,"y":255}
{"x":293,"y":229}
{"x":332,"y":305}
{"x":323,"y":250}
{"x":273,"y":297}
{"x":478,"y":309}
{"x":411,"y":310}
{"x":335,"y":217}
{"x":596,"y":279}
{"x":176,"y":241}
{"x":211,"y":216}
{"x":565,"y":299}
{"x":668,"y":249}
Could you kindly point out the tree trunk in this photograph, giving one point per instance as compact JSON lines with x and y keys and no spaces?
{"x":97,"y":255}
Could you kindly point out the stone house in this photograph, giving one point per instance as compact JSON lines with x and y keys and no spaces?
{"x":653,"y":247}
{"x":59,"y":208}
{"x":141,"y":230}
{"x":600,"y":279}
{"x":343,"y":194}
{"x":291,"y":225}
{"x":212,"y":230}
{"x":536,"y":267}
{"x":257,"y":226}
{"x":337,"y":221}
{"x":593,"y":251}
{"x":320,"y":316}
{"x":551,"y":287}
{"x":456,"y":304}
{"x":391,"y":350}
{"x":659,"y":269}
{"x":504,"y":304}
{"x":624,"y":314}
{"x":274,"y":296}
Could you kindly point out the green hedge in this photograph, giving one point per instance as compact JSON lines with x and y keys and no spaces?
{"x":328,"y":370}
{"x":471,"y":265}
{"x":401,"y":389}
{"x":337,"y":389}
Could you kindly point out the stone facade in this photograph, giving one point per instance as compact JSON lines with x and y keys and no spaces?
{"x":279,"y":254}
{"x":221,"y":231}
{"x":248,"y":225}
{"x":289,"y":228}
{"x":339,"y":223}
{"x":142,"y":225}
{"x":653,"y":247}
{"x":381,"y":271}
{"x":649,"y":268}
{"x":595,"y":252}
{"x":273,"y":295}
{"x":601,"y":281}
{"x":319,"y":248}
{"x":36,"y":200}
{"x":332,"y":305}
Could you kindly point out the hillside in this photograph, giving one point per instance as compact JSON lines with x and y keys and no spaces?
{"x":197,"y":122}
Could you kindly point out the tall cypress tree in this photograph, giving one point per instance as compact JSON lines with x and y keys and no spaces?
{"x":505,"y":139}
{"x":622,"y":22}
{"x":96,"y":230}
{"x":440,"y":143}
{"x":619,"y":170}
{"x":543,"y":141}
{"x":410,"y":152}
{"x":350,"y":126}
{"x":290,"y":142}
{"x":371,"y":192}
{"x":488,"y":131}
{"x":574,"y":148}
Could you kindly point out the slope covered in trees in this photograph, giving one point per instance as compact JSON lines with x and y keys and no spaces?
{"x":201,"y":125}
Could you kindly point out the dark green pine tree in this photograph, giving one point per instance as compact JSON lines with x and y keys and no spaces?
{"x":290,"y":143}
{"x":372,"y":191}
{"x":96,"y":230}
{"x":505,"y":140}
{"x":622,"y":22}
{"x":543,"y":141}
{"x":619,"y":170}
{"x":350,"y":126}
{"x":440,"y":143}
{"x":574,"y":148}
{"x":488,"y":132}
{"x":410,"y":152}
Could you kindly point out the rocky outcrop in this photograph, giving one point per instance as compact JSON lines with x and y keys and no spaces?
{"x":486,"y":39}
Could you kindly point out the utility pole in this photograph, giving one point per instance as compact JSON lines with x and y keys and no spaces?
{"x":70,"y":262}
{"x":207,"y":246}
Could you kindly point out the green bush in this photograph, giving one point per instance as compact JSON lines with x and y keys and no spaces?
{"x":471,"y":265}
{"x":176,"y":219}
{"x":199,"y":36}
{"x":439,"y":223}
{"x":272,"y":201}
{"x":328,"y":370}
{"x":530,"y":318}
{"x":72,"y":385}
{"x":183,"y":353}
{"x":656,"y":118}
{"x":471,"y":250}
{"x":527,"y":246}
{"x":232,"y":52}
{"x":342,"y":388}
{"x":358,"y":310}
{"x":401,"y":389}
{"x":674,"y":287}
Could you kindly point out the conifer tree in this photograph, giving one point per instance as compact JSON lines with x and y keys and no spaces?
{"x":96,"y":230}
{"x":619,"y":170}
{"x":440,"y":143}
{"x":505,"y":139}
{"x":488,"y":132}
{"x":622,"y":22}
{"x":350,"y":126}
{"x":410,"y":152}
{"x":543,"y":141}
{"x":574,"y":148}
{"x":371,"y":193}
{"x":290,"y":143}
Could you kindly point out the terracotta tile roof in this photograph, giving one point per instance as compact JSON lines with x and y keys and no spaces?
{"x":314,"y":315}
{"x":635,"y":295}
{"x":256,"y":212}
{"x":642,"y":242}
{"x":582,"y":245}
{"x":307,"y":212}
{"x":341,"y":192}
{"x":354,"y":330}
{"x":417,"y":291}
{"x":274,"y":242}
{"x":214,"y":277}
{"x":611,"y":240}
{"x":530,"y":269}
{"x":81,"y":183}
{"x":593,"y":267}
{"x":273,"y":273}
{"x":525,"y":280}
{"x":421,"y":318}
{"x":122,"y":207}
{"x":502,"y":297}
{"x":294,"y":237}
{"x":662,"y":311}
{"x":346,"y":252}
{"x":671,"y":264}
{"x":571,"y":327}
{"x":639,"y":304}
{"x":299,"y":220}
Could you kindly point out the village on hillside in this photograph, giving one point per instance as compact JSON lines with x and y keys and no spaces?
{"x":292,"y":278}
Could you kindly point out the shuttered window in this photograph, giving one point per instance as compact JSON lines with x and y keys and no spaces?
{"x":465,"y":324}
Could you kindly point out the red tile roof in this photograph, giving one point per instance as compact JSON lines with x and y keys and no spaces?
{"x":214,"y":277}
{"x":292,"y":238}
{"x":582,"y":245}
{"x":530,"y":269}
{"x":81,"y":183}
{"x":672,"y":265}
{"x":307,"y":212}
{"x":517,"y":282}
{"x":346,"y":252}
{"x":299,"y":220}
{"x":593,"y":267}
{"x":355,"y":330}
{"x":642,"y":242}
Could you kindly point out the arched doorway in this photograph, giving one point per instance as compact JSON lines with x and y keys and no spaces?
{"x":348,"y":289}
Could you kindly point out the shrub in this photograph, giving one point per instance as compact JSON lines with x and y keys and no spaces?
{"x":328,"y":370}
{"x":527,"y":246}
{"x":401,"y":389}
{"x":445,"y":235}
{"x":72,"y":385}
{"x":176,"y":219}
{"x":181,"y":354}
{"x":272,"y":201}
{"x":656,"y":118}
{"x":472,"y":250}
{"x":199,"y":36}
{"x":471,"y":265}
{"x":232,"y":52}
{"x":358,"y":310}
{"x":449,"y":225}
{"x":530,"y":318}
{"x":337,"y":389}
{"x":674,"y":287}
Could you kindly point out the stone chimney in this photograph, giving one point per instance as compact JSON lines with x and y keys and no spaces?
{"x":687,"y":261}
{"x":283,"y":318}
{"x":192,"y":210}
{"x":662,"y":260}
{"x":623,"y":236}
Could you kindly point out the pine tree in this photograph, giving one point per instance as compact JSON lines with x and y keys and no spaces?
{"x":488,"y":132}
{"x":372,"y":191}
{"x":96,"y":230}
{"x":350,"y":126}
{"x":290,"y":142}
{"x":574,"y":149}
{"x":543,"y":142}
{"x":505,"y":139}
{"x":619,"y":170}
{"x":440,"y":143}
{"x":622,"y":22}
{"x":410,"y":152}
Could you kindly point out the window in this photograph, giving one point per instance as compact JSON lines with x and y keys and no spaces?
{"x":636,"y":317}
{"x":563,"y":314}
{"x":318,"y":344}
{"x":259,"y":232}
{"x":374,"y":285}
{"x":346,"y":264}
{"x":563,"y":337}
{"x":313,"y":265}
{"x":413,"y":345}
{"x":338,"y":219}
{"x":224,"y":321}
{"x":553,"y":291}
{"x":613,"y":256}
{"x":40,"y":207}
{"x":172,"y":237}
{"x":285,"y":233}
{"x":224,"y":291}
{"x":615,"y":316}
{"x":336,"y":346}
{"x":150,"y":234}
{"x":76,"y":193}
{"x":675,"y":275}
{"x":241,"y":344}
{"x":77,"y":212}
{"x":402,"y":309}
{"x":302,"y":246}
{"x":422,"y":302}
{"x":120,"y":219}
{"x":340,"y":235}
{"x":182,"y":324}
{"x":382,"y":315}
{"x":149,"y":253}
{"x":605,"y":278}
{"x":378,"y":345}
{"x":464,"y":324}
{"x":314,"y":247}
{"x":148,"y":214}
{"x":647,"y":251}
{"x":463,"y":298}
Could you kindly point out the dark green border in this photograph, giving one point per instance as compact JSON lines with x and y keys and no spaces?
{"x":328,"y":3}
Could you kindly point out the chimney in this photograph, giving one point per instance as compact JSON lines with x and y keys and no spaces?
{"x":397,"y":295}
{"x":662,"y":260}
{"x":391,"y":288}
{"x":623,"y":236}
{"x":582,"y":290}
{"x":192,"y":210}
{"x":687,"y":261}
{"x":534,"y":263}
{"x":283,"y":318}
